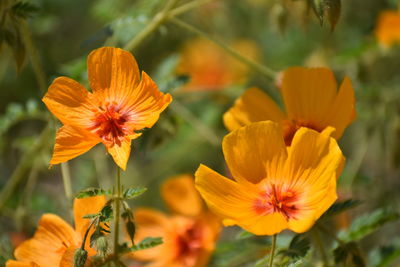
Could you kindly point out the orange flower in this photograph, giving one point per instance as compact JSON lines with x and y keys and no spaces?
{"x":276,"y":187}
{"x":189,"y":235}
{"x":120,"y":104}
{"x":55,"y":241}
{"x":211,"y":68}
{"x":387,"y":30}
{"x":311,"y":100}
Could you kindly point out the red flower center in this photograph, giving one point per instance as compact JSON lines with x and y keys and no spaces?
{"x":275,"y":199}
{"x":189,"y":242}
{"x":109,"y":123}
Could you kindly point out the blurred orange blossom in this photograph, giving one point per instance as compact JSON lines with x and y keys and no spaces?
{"x":387,"y":30}
{"x":211,"y":68}
{"x":121,"y":102}
{"x":275,"y":187}
{"x":311,"y":100}
{"x":55,"y":241}
{"x":189,"y":235}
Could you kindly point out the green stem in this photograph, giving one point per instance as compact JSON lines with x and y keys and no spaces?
{"x":117,"y":207}
{"x":321,"y":248}
{"x":254,"y":65}
{"x":187,"y":7}
{"x":66,"y":176}
{"x":271,"y":258}
{"x":154,"y":24}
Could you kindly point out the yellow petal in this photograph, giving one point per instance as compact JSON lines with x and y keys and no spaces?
{"x":254,"y":105}
{"x":387,"y":30}
{"x":313,"y":166}
{"x":255,"y":151}
{"x":114,"y":69}
{"x":72,"y":142}
{"x":121,"y":153}
{"x":84,"y":206}
{"x":70,"y":102}
{"x":181,"y":196}
{"x":52,"y":237}
{"x":11,"y":263}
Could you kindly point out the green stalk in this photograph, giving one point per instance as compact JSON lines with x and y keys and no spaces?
{"x":318,"y":242}
{"x":66,"y":176}
{"x":271,"y":258}
{"x":117,"y":211}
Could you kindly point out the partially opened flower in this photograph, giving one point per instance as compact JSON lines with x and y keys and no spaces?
{"x":55,"y":241}
{"x":121,"y":103}
{"x":189,"y":235}
{"x":311,"y":100}
{"x":387,"y":30}
{"x":275,"y":186}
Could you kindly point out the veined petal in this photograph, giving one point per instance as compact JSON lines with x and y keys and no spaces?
{"x":145,"y":103}
{"x":181,"y":196}
{"x":254,"y":105}
{"x":309,"y":94}
{"x":51,"y":240}
{"x":113,"y":69}
{"x":255,"y":152}
{"x":72,"y":142}
{"x":121,"y":153}
{"x":84,"y":206}
{"x":343,"y":111}
{"x":70,"y":102}
{"x":12,"y":263}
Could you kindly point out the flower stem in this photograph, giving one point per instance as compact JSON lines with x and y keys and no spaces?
{"x":66,"y":176}
{"x":271,"y":258}
{"x":254,"y":65}
{"x":117,"y":207}
{"x":318,"y":242}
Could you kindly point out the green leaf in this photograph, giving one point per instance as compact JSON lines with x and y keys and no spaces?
{"x":298,"y":247}
{"x":91,"y":192}
{"x":24,"y":9}
{"x":134,"y":192}
{"x":243,"y":235}
{"x":130,"y":229}
{"x":106,"y":214}
{"x":341,"y":206}
{"x":349,"y":254}
{"x":367,"y":224}
{"x":90,"y":216}
{"x":333,"y":8}
{"x":148,"y":242}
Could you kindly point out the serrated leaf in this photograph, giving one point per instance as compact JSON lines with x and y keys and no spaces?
{"x":298,"y":247}
{"x":106,"y":214}
{"x":333,"y":8}
{"x":349,"y":254}
{"x":341,"y":206}
{"x":148,"y":242}
{"x":134,"y":192}
{"x":90,"y":216}
{"x":368,"y":223}
{"x":91,"y":192}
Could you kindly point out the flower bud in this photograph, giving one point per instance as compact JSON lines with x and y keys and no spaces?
{"x":80,"y":257}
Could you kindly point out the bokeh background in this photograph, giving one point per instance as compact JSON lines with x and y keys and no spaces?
{"x":204,"y":81}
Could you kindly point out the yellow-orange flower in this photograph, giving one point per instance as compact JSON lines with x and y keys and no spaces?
{"x":55,"y":241}
{"x":387,"y":30}
{"x":275,"y":187}
{"x":311,"y":100}
{"x":189,"y":234}
{"x":121,"y":102}
{"x":211,"y":68}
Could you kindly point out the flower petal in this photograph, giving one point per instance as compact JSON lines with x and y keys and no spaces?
{"x":254,"y":105}
{"x":72,"y":142}
{"x":343,"y":110}
{"x":121,"y":153}
{"x":314,"y":163}
{"x":145,"y":103}
{"x":255,"y":152}
{"x":12,"y":263}
{"x":70,"y":102}
{"x":309,"y":94}
{"x":114,"y":69}
{"x":84,"y":206}
{"x":52,"y":237}
{"x":181,"y":196}
{"x":387,"y":29}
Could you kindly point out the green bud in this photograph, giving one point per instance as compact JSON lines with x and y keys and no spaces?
{"x":102,"y":245}
{"x":80,"y":257}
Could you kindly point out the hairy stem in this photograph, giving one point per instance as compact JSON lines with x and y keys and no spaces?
{"x":117,"y":211}
{"x":271,"y":258}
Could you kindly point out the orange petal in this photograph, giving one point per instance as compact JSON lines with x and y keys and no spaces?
{"x":309,"y":94}
{"x":146,"y":102}
{"x":84,"y":206}
{"x":11,"y":263}
{"x":113,"y":69}
{"x":387,"y":30}
{"x":314,"y":163}
{"x":121,"y":153}
{"x":52,"y":237}
{"x":343,"y":110}
{"x":181,"y":196}
{"x":255,"y":151}
{"x":254,"y":105}
{"x":70,"y":102}
{"x":72,"y":142}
